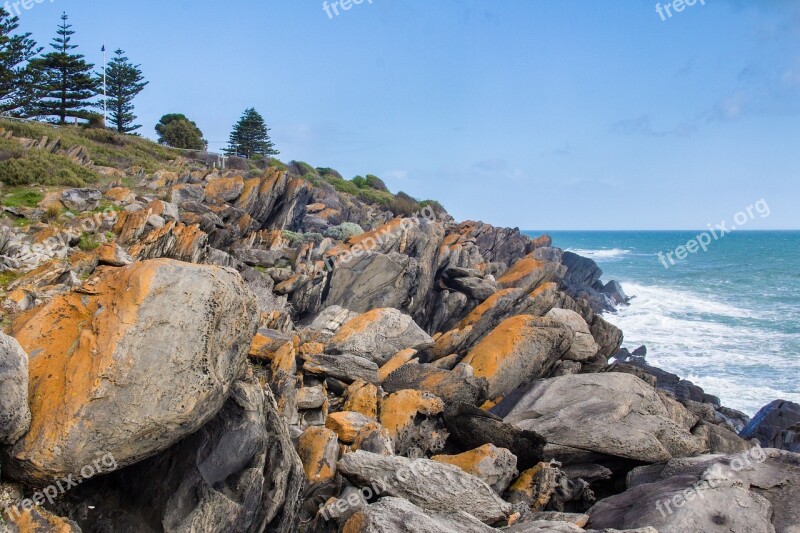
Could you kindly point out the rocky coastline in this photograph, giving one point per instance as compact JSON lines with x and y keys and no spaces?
{"x":259,"y":351}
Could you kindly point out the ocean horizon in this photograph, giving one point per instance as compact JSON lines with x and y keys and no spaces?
{"x":727,"y":319}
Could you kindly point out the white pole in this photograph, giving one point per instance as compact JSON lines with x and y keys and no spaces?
{"x":105,"y":107}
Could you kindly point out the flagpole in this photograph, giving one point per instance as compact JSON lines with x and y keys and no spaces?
{"x":105,"y":107}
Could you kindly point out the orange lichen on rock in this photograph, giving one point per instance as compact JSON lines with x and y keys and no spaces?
{"x":399,"y":410}
{"x":224,"y":189}
{"x":362,"y":397}
{"x":347,"y":424}
{"x":522,"y":269}
{"x":318,"y":448}
{"x":472,"y":318}
{"x":401,"y":358}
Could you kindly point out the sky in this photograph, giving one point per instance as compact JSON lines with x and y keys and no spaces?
{"x":568,"y":114}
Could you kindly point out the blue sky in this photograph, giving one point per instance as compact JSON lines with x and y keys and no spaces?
{"x":568,"y":114}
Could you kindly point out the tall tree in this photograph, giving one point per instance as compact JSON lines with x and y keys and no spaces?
{"x":124,"y":81}
{"x":16,"y":91}
{"x":250,"y":137}
{"x":66,"y":83}
{"x":179,"y":132}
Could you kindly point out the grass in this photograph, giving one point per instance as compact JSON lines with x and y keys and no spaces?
{"x":89,"y":242}
{"x":105,"y":147}
{"x":7,"y":278}
{"x":44,"y":168}
{"x":22,"y":197}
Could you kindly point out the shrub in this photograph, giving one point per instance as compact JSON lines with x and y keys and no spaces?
{"x":404,"y":205}
{"x":52,"y":213}
{"x":344,"y":231}
{"x":326,"y":172}
{"x":360,"y":182}
{"x":374,"y":182}
{"x":277,"y":163}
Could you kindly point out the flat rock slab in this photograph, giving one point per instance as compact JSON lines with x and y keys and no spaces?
{"x":428,"y":484}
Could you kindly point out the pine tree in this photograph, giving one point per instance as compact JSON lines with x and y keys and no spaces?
{"x":250,"y":137}
{"x":16,"y":77}
{"x":124,"y":81}
{"x":178,"y":131}
{"x":66,"y":83}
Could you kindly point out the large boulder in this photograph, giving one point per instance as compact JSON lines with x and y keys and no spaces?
{"x":137,"y":359}
{"x":519,"y":350}
{"x":496,"y":467}
{"x":755,"y":491}
{"x":450,"y":386}
{"x":612,"y":414}
{"x":428,"y":484}
{"x":81,"y":199}
{"x":378,"y":335}
{"x":15,"y":415}
{"x":582,"y":345}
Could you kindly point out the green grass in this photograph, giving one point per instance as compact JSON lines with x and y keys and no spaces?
{"x":105,"y":147}
{"x":44,"y":168}
{"x":7,"y":278}
{"x":89,"y":242}
{"x":22,"y":198}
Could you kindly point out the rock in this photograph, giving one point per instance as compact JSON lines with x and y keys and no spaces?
{"x":344,"y":367}
{"x":239,"y":472}
{"x":113,"y":255}
{"x":319,"y":451}
{"x":428,"y":484}
{"x":224,"y":189}
{"x":400,"y":358}
{"x":519,"y":350}
{"x":362,"y":398}
{"x":378,"y":335}
{"x":582,"y":345}
{"x":374,"y":438}
{"x":496,"y":467}
{"x":340,"y":509}
{"x":775,"y":426}
{"x":347,"y":424}
{"x":546,"y":487}
{"x":36,"y":520}
{"x":614,"y":291}
{"x":108,"y":374}
{"x":81,"y":200}
{"x":311,"y":397}
{"x":15,"y":415}
{"x":187,"y":193}
{"x":411,"y":418}
{"x":121,"y":195}
{"x":390,"y":515}
{"x":330,"y":320}
{"x":610,"y":413}
{"x":447,"y":385}
{"x":754,"y":491}
{"x":471,"y":428}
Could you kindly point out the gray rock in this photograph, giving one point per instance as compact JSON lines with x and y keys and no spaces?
{"x":583,"y":347}
{"x":428,"y":484}
{"x":776,"y":425}
{"x":329,"y":320}
{"x":755,"y":492}
{"x":378,"y":335}
{"x":239,"y":472}
{"x":610,"y":413}
{"x":15,"y":414}
{"x":187,"y":193}
{"x":344,"y":367}
{"x":81,"y":199}
{"x":396,"y":515}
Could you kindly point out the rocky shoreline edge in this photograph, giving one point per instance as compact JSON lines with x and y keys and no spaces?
{"x":265,"y":352}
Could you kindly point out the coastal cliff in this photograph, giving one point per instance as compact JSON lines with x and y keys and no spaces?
{"x":279,"y":349}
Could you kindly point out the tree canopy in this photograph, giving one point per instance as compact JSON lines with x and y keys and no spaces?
{"x":250,"y":137}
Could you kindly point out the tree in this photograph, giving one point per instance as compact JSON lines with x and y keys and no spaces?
{"x":250,"y":137}
{"x":66,"y":83}
{"x":124,"y":81}
{"x":179,"y":132}
{"x":16,"y":77}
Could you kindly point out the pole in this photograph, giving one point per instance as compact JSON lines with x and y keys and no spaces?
{"x":105,"y":106}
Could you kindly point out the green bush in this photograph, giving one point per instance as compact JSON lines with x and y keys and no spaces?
{"x":277,"y":163}
{"x":360,"y":182}
{"x":403,"y":204}
{"x":22,"y":198}
{"x":344,"y":231}
{"x":44,"y":168}
{"x":374,"y":182}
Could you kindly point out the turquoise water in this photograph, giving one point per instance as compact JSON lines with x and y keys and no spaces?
{"x":727,"y":319}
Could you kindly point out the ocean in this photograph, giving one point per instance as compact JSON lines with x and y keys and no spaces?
{"x":727,"y":319}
